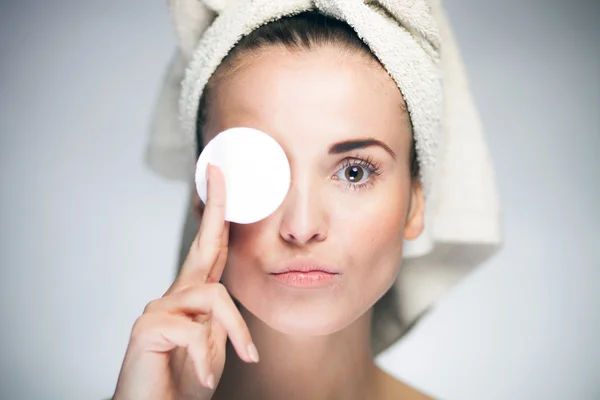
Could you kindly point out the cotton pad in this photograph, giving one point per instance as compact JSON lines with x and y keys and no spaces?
{"x":256,"y":169}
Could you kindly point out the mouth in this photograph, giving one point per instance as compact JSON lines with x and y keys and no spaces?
{"x":304,"y":273}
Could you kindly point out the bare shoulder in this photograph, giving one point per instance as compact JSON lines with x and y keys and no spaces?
{"x":391,"y":388}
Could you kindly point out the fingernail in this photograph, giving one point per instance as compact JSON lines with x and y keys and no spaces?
{"x":210,"y":381}
{"x":252,"y":352}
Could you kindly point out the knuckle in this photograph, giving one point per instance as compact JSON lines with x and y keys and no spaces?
{"x":195,"y":293}
{"x":141,"y":327}
{"x":227,"y":306}
{"x":221,"y":292}
{"x":152,"y":306}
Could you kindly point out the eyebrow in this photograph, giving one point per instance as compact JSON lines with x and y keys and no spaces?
{"x":349,"y":145}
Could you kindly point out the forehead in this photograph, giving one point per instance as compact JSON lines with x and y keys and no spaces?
{"x":313,"y":96}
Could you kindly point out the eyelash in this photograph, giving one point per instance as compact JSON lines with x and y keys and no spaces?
{"x":368,"y":164}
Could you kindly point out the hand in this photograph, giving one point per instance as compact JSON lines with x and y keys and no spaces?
{"x":177,"y":346}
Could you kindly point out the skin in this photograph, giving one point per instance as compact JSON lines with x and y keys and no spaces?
{"x":313,"y":343}
{"x":308,"y":101}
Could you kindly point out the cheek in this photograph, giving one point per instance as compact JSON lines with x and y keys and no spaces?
{"x":373,"y":235}
{"x":373,"y":226}
{"x":244,"y":240}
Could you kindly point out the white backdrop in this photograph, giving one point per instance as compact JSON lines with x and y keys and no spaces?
{"x":88,"y":236}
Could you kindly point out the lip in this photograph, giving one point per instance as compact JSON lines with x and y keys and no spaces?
{"x":305,"y":273}
{"x":304,"y":265}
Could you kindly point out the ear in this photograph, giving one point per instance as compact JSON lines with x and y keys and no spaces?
{"x":415,"y":221}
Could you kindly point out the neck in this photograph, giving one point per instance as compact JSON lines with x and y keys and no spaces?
{"x":336,"y":366}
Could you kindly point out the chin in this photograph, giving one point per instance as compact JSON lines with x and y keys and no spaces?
{"x":296,"y":312}
{"x":303,"y":321}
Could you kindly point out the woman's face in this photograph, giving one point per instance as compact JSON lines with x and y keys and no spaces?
{"x":342,"y":122}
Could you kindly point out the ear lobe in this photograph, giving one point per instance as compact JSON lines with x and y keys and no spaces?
{"x":415,"y":221}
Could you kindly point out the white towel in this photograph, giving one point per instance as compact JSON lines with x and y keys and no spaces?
{"x":413,"y":41}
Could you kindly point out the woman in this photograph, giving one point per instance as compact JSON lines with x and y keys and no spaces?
{"x":295,"y":292}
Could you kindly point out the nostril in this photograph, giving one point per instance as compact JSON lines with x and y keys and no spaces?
{"x":303,"y":239}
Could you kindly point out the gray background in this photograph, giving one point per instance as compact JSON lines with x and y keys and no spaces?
{"x":88,"y":236}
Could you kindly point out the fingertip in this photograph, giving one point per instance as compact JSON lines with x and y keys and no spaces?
{"x":253,"y":353}
{"x":210,"y":381}
{"x":208,"y":169}
{"x":242,"y":351}
{"x":216,"y":187}
{"x":201,"y":366}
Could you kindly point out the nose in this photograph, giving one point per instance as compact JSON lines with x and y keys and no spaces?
{"x":303,"y":217}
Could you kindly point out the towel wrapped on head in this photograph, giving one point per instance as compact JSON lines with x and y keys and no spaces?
{"x":413,"y":41}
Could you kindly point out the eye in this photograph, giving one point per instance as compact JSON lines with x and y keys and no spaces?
{"x":353,"y":173}
{"x":357,"y":173}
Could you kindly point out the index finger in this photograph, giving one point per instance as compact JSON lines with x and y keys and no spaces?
{"x":212,"y":239}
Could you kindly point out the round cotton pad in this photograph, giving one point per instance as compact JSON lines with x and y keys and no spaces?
{"x":256,"y":169}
